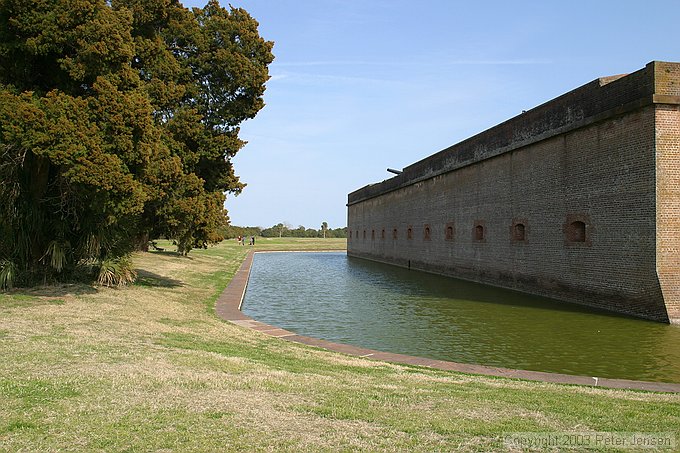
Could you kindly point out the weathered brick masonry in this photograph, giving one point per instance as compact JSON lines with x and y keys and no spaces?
{"x":577,"y":199}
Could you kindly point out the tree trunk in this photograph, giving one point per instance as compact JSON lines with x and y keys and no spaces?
{"x":142,"y":242}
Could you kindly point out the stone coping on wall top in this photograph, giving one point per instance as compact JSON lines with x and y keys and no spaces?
{"x":228,"y":307}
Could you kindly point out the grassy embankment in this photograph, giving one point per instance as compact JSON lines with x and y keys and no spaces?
{"x":151,"y":367}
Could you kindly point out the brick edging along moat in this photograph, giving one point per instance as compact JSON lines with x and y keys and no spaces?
{"x":228,"y":307}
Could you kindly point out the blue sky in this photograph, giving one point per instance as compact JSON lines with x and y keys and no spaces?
{"x":359,"y":85}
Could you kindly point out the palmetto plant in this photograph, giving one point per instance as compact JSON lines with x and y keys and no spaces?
{"x":116,"y":272}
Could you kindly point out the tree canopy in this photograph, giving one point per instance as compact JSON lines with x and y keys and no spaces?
{"x":282,"y":230}
{"x":118,"y":122}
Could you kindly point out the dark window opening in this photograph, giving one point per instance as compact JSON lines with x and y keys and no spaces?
{"x":519,"y":232}
{"x":394,"y":233}
{"x":373,"y":235}
{"x":409,"y":233}
{"x":479,"y":233}
{"x":364,"y":234}
{"x":449,"y":233}
{"x":382,"y":234}
{"x":426,"y":233}
{"x":577,"y":232}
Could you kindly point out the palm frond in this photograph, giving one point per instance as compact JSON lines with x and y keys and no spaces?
{"x":57,"y":253}
{"x":8,"y":274}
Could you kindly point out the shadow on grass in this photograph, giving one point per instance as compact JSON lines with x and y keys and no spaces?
{"x":56,"y":290}
{"x":42,"y":295}
{"x":169,"y":253}
{"x":146,"y":278}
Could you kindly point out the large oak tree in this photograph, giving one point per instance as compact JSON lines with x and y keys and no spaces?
{"x":118,"y":122}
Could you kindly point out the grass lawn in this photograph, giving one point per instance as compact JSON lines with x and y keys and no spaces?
{"x":150,"y":367}
{"x":297,"y":243}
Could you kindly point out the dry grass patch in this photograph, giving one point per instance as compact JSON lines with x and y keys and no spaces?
{"x":150,"y":367}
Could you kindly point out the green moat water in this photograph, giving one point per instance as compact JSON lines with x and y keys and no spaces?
{"x":377,"y":306}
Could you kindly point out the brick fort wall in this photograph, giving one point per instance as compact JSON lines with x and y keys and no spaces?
{"x":577,"y":199}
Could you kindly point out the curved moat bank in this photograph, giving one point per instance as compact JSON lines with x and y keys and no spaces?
{"x":353,"y":301}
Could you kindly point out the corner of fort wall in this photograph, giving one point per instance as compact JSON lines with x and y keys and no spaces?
{"x":667,"y":141}
{"x":604,"y":155}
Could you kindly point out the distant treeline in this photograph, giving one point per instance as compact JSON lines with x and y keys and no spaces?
{"x":281,"y":230}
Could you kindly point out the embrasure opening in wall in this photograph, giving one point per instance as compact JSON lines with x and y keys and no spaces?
{"x":479,"y":233}
{"x":576,"y":232}
{"x":449,"y":232}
